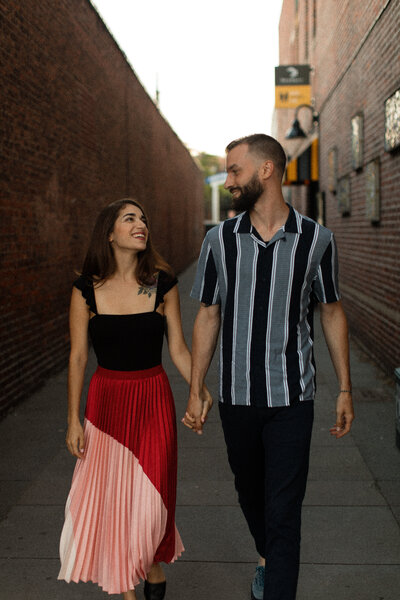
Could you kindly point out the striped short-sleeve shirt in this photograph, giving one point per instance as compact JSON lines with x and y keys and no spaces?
{"x":267,"y":291}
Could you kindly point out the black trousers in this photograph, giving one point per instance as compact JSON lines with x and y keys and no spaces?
{"x":268,"y":451}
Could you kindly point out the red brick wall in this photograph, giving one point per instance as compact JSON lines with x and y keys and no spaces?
{"x":355,"y":57}
{"x":77,"y":131}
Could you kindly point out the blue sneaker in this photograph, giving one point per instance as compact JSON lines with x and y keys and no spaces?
{"x":257,"y":586}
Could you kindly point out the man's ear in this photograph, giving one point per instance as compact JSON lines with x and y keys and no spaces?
{"x":267,"y":168}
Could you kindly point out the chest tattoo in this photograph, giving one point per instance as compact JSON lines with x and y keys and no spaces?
{"x":148,"y":290}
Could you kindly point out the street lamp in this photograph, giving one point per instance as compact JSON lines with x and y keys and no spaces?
{"x":295,"y":131}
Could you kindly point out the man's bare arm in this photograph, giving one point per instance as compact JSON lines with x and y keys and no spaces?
{"x":334,"y":326}
{"x":204,"y":341}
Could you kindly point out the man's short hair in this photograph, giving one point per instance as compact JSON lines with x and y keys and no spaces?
{"x":263,"y":146}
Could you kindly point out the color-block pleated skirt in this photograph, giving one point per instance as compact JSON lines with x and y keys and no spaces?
{"x":120,"y":512}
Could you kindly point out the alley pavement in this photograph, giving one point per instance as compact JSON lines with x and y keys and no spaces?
{"x":351,"y":515}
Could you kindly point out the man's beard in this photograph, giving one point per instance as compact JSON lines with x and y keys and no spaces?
{"x":250,"y":193}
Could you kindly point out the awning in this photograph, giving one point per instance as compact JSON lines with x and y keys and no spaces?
{"x":302,"y":168}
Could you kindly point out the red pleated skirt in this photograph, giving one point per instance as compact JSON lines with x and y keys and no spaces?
{"x":120,"y":512}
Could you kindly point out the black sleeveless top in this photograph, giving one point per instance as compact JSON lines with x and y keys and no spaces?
{"x":127,"y":342}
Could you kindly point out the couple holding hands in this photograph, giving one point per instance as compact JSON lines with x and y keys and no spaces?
{"x":259,"y":277}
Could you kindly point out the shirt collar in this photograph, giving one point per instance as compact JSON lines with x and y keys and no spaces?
{"x":292,"y":225}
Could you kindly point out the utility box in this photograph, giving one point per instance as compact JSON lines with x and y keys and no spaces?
{"x":397,"y":375}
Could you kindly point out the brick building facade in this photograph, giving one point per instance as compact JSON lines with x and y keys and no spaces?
{"x":353,"y":49}
{"x":77,"y":131}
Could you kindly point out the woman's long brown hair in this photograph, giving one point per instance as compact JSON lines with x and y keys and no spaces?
{"x":100,"y":264}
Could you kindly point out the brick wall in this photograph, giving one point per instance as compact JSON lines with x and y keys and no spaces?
{"x":77,"y":131}
{"x":355,"y":58}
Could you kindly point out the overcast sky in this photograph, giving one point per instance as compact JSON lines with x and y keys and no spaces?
{"x":214,"y":61}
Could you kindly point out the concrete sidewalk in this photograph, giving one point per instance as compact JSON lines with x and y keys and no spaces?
{"x":351,"y":516}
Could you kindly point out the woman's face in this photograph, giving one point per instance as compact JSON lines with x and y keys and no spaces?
{"x":130,"y":229}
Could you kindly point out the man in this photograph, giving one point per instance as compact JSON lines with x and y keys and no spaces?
{"x":260,"y":275}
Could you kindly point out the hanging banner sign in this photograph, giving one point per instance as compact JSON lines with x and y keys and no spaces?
{"x":292,"y":86}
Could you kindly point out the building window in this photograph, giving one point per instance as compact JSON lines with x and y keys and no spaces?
{"x":392,"y":122}
{"x":357,"y":141}
{"x":333,"y":169}
{"x":372,"y":191}
{"x":343,"y":196}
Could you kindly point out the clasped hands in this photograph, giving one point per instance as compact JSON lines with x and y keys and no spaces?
{"x":197,"y":410}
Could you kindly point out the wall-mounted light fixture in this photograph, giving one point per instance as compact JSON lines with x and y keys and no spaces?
{"x":295,"y":130}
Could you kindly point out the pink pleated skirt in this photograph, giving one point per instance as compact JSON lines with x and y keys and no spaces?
{"x":120,"y":512}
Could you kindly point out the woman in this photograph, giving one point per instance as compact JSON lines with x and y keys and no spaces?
{"x":119,"y":518}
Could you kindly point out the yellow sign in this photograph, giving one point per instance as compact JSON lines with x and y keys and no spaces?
{"x":290,"y":96}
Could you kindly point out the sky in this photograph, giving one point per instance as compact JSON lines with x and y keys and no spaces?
{"x":213,"y":60}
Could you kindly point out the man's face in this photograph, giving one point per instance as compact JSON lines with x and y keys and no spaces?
{"x":242,"y":178}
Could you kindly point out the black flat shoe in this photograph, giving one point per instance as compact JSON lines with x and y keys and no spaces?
{"x":154,"y":591}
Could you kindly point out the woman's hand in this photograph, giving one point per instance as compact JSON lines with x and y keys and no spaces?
{"x":75,"y":439}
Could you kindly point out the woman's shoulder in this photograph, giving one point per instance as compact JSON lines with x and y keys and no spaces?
{"x":166,"y":280}
{"x":85,"y":285}
{"x":82,"y":282}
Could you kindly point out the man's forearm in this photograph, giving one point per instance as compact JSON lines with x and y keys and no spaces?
{"x":334,"y":326}
{"x":204,"y":341}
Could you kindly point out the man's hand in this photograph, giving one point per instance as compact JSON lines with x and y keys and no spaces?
{"x":344,"y":415}
{"x":207,"y":402}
